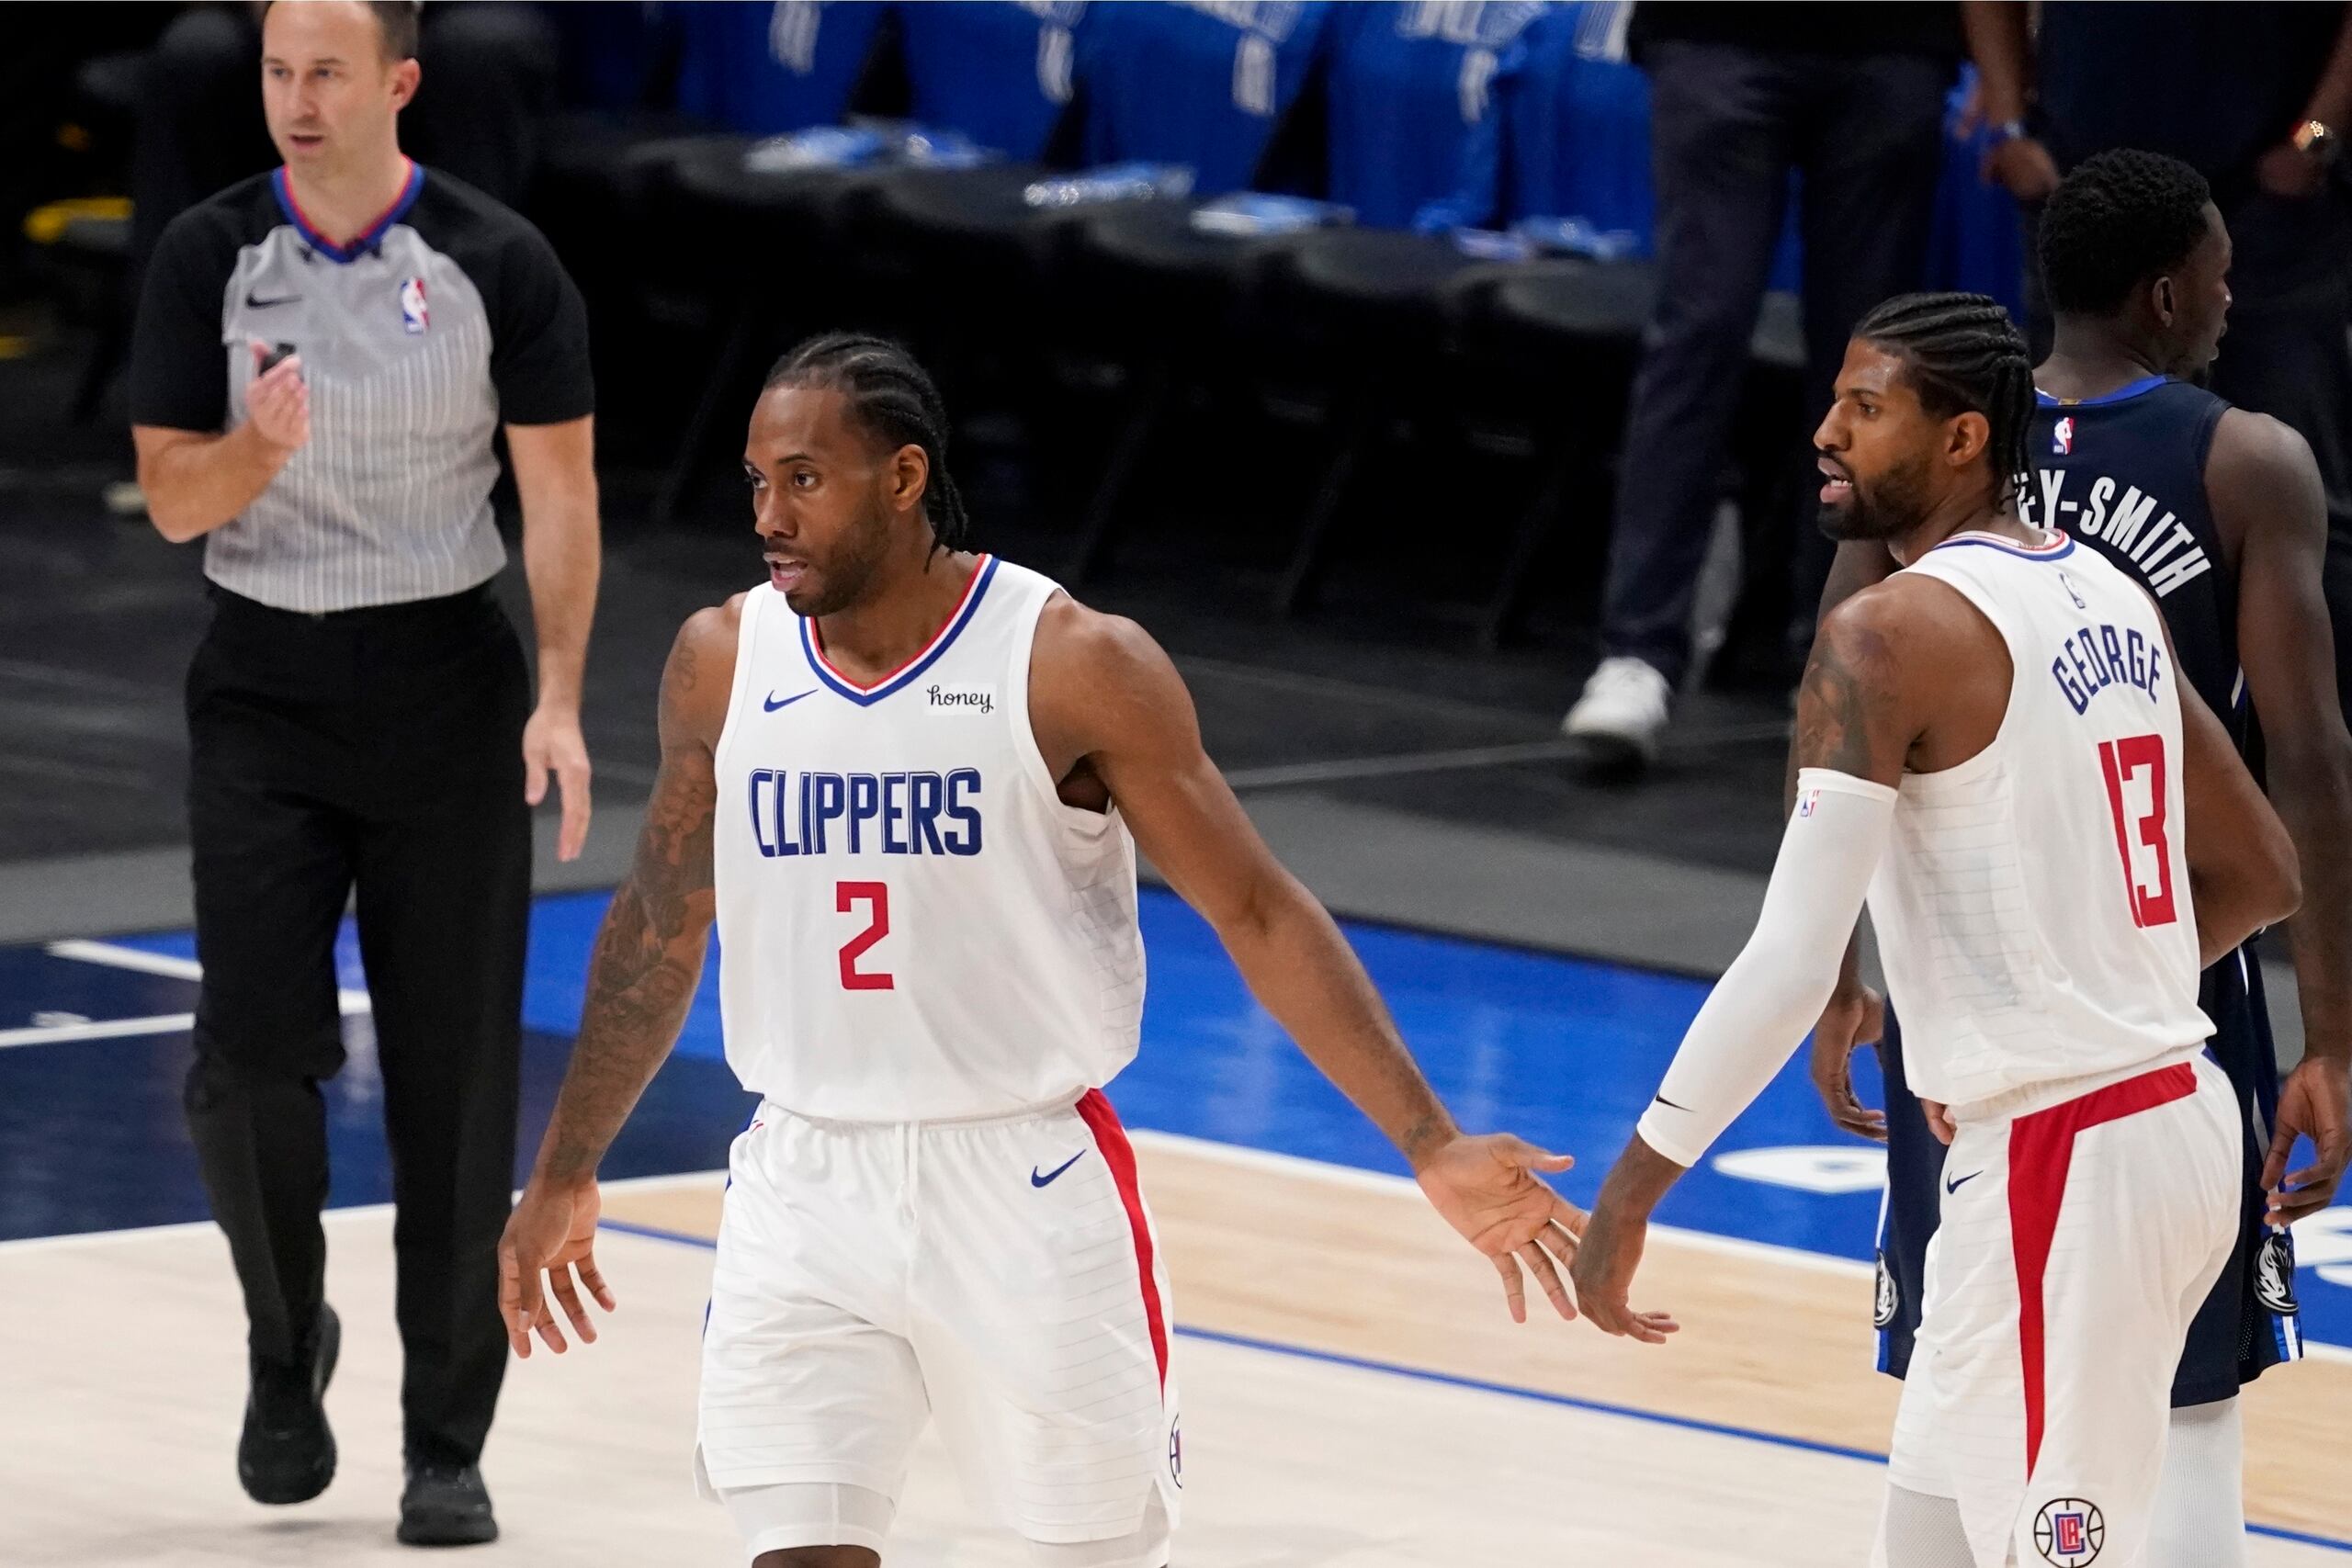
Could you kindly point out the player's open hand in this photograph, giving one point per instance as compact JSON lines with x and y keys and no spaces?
{"x":1855,"y":1016}
{"x":1603,"y":1273}
{"x":1488,"y":1189}
{"x":553,"y":1232}
{"x":2312,"y":1104}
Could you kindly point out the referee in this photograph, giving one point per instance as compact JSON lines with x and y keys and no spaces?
{"x":322,"y":358}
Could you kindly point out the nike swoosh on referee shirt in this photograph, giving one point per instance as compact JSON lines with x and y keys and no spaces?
{"x":253,"y":303}
{"x":771,"y":702}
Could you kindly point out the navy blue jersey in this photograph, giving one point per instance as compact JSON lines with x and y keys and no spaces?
{"x":2125,"y":474}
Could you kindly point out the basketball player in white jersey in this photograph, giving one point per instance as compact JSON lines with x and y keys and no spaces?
{"x":2054,"y":836}
{"x":908,"y":782}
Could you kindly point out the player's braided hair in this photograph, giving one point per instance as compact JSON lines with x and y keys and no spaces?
{"x":2117,"y":220}
{"x":1963,"y":354}
{"x":893,"y":397}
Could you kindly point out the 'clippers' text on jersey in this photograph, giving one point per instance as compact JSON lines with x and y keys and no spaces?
{"x":873,"y":813}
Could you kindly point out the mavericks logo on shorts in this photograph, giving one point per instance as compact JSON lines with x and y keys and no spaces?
{"x":1888,"y":1301}
{"x":2069,"y":1532}
{"x":2274,"y":1273}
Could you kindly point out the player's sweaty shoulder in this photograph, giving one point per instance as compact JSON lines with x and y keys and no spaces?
{"x":1872,"y":677}
{"x":1095,"y":679}
{"x":700,"y":675}
{"x":2260,"y":475}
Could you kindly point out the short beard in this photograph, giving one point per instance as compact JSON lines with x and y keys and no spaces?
{"x":1890,"y":509}
{"x":849,"y":577}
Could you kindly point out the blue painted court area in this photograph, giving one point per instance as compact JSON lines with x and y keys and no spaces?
{"x":1562,"y":1050}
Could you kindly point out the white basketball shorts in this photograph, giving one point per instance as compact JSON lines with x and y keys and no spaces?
{"x":2074,"y":1244}
{"x":1001,"y":1275}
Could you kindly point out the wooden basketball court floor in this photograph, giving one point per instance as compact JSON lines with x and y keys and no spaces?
{"x":1353,"y":1395}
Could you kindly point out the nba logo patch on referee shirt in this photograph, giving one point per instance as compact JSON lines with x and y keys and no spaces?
{"x":413,"y":315}
{"x":2062,"y":437}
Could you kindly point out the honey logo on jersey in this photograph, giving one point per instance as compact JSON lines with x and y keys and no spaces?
{"x":976,"y":699}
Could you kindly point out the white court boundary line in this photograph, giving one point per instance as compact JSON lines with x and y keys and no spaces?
{"x":139,"y":960}
{"x":114,"y":955}
{"x":1272,"y":1164}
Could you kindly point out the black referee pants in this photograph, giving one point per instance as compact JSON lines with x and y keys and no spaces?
{"x":378,"y":751}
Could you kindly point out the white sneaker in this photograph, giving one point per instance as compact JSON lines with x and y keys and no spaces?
{"x":1623,"y":711}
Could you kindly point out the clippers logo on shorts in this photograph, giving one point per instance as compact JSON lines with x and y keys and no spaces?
{"x":1176,"y":1453}
{"x":1888,"y":1299}
{"x":2069,"y":1532}
{"x":2062,"y":437}
{"x":413,"y":315}
{"x":2273,"y":1274}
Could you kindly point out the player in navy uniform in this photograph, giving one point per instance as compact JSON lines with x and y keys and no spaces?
{"x":2220,"y":513}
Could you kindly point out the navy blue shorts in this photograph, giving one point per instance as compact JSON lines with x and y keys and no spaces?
{"x":2247,"y":1325}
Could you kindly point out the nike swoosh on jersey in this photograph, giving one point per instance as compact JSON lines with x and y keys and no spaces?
{"x":1038,"y":1180}
{"x":1953,"y":1186}
{"x":771,"y":702}
{"x":255,"y":303}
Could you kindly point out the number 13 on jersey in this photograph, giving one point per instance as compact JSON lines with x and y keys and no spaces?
{"x":2135,"y":767}
{"x":875,"y":898}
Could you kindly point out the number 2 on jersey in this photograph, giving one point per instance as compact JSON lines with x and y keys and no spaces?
{"x":2141,"y":839}
{"x":847,"y":896}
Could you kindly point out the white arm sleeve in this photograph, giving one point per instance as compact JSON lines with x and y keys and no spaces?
{"x":1775,"y":989}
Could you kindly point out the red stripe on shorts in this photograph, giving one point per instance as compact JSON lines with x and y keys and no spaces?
{"x":1120,"y":1155}
{"x":2042,"y":1146}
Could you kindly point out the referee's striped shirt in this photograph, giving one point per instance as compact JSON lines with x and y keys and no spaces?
{"x":449,"y":315}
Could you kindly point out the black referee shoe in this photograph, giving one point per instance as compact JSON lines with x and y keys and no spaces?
{"x":286,"y":1454}
{"x":446,"y":1504}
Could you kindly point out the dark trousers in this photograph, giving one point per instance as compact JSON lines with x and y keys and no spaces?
{"x":1726,"y":127}
{"x":488,"y":75}
{"x":375,"y":750}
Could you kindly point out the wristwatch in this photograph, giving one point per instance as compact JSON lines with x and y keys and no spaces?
{"x":2317,"y":138}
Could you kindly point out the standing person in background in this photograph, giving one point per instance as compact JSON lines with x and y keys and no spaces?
{"x":2256,"y":96}
{"x":1851,"y":97}
{"x":2217,"y":515}
{"x":491,"y":69}
{"x":324,"y":357}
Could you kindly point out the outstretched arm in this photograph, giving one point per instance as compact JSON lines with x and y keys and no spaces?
{"x":1855,"y":726}
{"x":647,"y":961}
{"x":1105,"y":700}
{"x":2267,"y":497}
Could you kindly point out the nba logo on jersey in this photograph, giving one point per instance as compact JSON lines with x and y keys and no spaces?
{"x":2062,"y":437}
{"x":412,"y":312}
{"x":2070,"y":1532}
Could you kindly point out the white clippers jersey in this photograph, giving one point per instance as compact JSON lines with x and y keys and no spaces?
{"x":913,"y":925}
{"x":2032,"y":910}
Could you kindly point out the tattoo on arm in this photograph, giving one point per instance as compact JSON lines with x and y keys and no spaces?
{"x":1846,"y":690}
{"x":648,"y":956}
